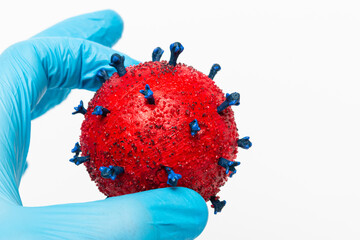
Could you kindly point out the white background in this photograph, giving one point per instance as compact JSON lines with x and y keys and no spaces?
{"x":296,"y":66}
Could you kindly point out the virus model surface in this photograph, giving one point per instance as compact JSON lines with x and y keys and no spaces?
{"x":159,"y":124}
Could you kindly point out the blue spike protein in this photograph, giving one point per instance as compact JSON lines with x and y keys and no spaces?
{"x":79,"y":160}
{"x":175,"y":48}
{"x":244,"y":143}
{"x":231,"y":99}
{"x":214,"y":69}
{"x":217,"y":204}
{"x":118,"y":62}
{"x":172,"y":177}
{"x":148,"y":94}
{"x":194,"y":127}
{"x":111,"y":172}
{"x":157,"y":53}
{"x":80,"y":108}
{"x":99,"y":110}
{"x":228,"y":165}
{"x":102,"y":75}
{"x":76,"y":149}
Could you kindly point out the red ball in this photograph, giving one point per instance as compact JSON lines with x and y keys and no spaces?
{"x":144,"y":138}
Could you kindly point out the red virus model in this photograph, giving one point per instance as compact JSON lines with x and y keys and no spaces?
{"x":158,"y":124}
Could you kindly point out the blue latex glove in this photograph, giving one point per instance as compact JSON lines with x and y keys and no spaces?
{"x":38,"y":74}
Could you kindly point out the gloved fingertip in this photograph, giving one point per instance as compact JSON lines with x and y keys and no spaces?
{"x":104,"y":27}
{"x":112,"y":17}
{"x":198,"y":211}
{"x":114,"y":26}
{"x":176,"y":213}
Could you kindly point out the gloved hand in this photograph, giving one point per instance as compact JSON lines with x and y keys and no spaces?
{"x":38,"y":74}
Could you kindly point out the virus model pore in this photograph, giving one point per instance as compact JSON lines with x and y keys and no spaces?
{"x":159,"y":124}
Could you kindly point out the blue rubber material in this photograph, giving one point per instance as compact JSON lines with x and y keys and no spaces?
{"x":38,"y":74}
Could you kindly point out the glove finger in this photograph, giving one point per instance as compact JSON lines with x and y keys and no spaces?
{"x":73,"y":63}
{"x":104,"y":27}
{"x":168,"y":213}
{"x":59,"y":63}
{"x":28,"y":70}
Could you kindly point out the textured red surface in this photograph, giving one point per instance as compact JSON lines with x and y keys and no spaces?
{"x":142,"y":138}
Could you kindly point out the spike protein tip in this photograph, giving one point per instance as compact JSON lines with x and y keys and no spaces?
{"x":184,"y":122}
